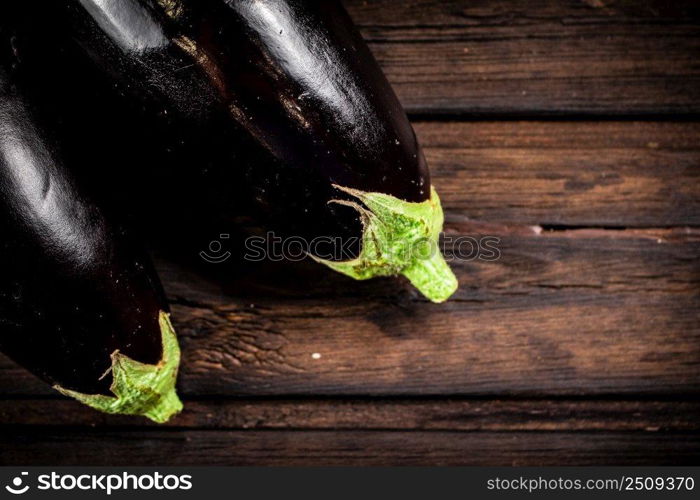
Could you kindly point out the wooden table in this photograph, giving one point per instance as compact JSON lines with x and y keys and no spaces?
{"x":570,"y":131}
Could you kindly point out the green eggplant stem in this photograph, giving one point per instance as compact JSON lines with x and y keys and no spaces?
{"x":140,"y":388}
{"x":399,"y":238}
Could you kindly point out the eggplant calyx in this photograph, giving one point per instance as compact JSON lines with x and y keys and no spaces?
{"x":399,"y":237}
{"x":140,"y":388}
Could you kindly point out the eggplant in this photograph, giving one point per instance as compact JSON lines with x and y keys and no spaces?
{"x":334,"y":153}
{"x":80,"y":304}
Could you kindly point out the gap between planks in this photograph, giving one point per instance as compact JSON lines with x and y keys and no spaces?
{"x":39,"y":446}
{"x":363,"y":414}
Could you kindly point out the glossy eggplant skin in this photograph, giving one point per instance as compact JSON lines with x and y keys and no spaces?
{"x":74,"y":288}
{"x":293,"y":76}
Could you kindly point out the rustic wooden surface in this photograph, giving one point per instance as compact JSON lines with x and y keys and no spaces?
{"x":569,"y":131}
{"x":587,"y":57}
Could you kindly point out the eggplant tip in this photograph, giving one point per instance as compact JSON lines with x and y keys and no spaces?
{"x":432,"y":277}
{"x":399,"y":238}
{"x":140,"y":388}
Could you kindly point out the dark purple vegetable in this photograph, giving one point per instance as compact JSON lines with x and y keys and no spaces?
{"x":338,"y":156}
{"x":80,"y":305}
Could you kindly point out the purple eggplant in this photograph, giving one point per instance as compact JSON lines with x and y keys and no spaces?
{"x":334,"y":153}
{"x":80,"y":304}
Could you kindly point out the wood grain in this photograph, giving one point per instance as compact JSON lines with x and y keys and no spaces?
{"x":578,"y":313}
{"x":509,"y":57}
{"x":587,"y":312}
{"x":378,"y":414}
{"x":623,"y":174}
{"x":39,"y":446}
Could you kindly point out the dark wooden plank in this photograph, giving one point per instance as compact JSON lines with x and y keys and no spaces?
{"x":542,"y":57}
{"x":459,"y":14}
{"x":571,"y":313}
{"x":587,"y":312}
{"x":627,"y":174}
{"x":333,"y":414}
{"x":34,"y":446}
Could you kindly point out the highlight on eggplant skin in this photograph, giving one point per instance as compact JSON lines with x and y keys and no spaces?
{"x":295,"y":78}
{"x":80,"y":305}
